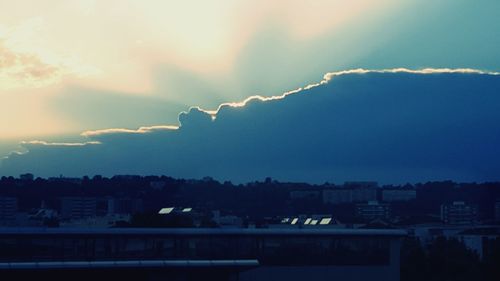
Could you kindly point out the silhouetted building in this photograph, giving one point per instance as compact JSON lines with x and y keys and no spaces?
{"x":226,"y":221}
{"x":349,"y":195}
{"x":26,"y":177}
{"x":372,"y":210}
{"x":364,"y":194}
{"x":8,"y":208}
{"x":124,"y":206}
{"x":360,"y":184}
{"x":305,"y":194}
{"x":497,"y":211}
{"x":337,"y":196}
{"x":77,"y":181}
{"x":458,"y":213}
{"x":78,"y":207}
{"x":391,"y":195}
{"x":158,"y":185}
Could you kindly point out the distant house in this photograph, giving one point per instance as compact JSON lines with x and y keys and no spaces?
{"x":8,"y":209}
{"x":458,"y":213}
{"x":226,"y":221}
{"x":372,"y":210}
{"x":78,"y":207}
{"x":124,"y":206}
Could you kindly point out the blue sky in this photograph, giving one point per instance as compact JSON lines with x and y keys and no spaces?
{"x":72,"y":66}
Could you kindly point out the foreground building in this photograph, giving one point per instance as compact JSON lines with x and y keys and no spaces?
{"x":200,"y":254}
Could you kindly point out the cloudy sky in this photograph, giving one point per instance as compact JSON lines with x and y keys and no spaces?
{"x":74,"y":66}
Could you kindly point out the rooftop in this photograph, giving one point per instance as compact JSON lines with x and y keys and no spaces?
{"x":198,"y":231}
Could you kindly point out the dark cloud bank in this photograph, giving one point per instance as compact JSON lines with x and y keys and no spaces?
{"x":390,"y":126}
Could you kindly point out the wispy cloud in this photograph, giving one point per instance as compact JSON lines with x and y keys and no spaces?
{"x":26,"y":62}
{"x":45,"y":143}
{"x":19,"y":69}
{"x":141,"y":130}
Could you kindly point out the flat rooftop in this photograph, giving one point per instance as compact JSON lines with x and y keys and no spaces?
{"x":6,"y":231}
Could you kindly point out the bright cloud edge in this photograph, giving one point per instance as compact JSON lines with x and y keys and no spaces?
{"x":213,"y":113}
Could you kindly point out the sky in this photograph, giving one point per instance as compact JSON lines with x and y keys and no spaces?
{"x":72,"y":66}
{"x":392,"y":126}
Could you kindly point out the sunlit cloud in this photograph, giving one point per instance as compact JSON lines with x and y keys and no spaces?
{"x":213,"y":113}
{"x":390,"y":125}
{"x":329,"y":76}
{"x":326,"y":79}
{"x":141,"y":130}
{"x":45,"y":143}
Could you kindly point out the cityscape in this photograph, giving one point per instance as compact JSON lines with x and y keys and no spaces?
{"x":428,"y":219}
{"x":250,"y":140}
